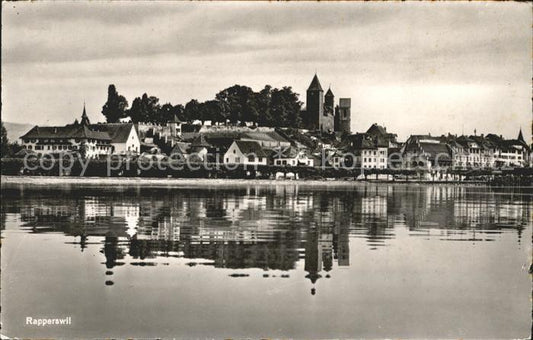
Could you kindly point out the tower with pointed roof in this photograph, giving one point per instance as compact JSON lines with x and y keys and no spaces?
{"x":84,"y":118}
{"x":318,"y":116}
{"x":521,"y":137}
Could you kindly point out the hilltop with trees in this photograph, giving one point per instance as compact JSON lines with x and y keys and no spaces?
{"x":237,"y":104}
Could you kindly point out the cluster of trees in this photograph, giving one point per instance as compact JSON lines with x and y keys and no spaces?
{"x":237,"y":104}
{"x":7,"y":149}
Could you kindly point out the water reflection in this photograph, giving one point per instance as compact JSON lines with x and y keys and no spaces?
{"x":270,"y":228}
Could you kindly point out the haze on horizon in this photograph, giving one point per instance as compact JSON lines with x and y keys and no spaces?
{"x":414,"y":67}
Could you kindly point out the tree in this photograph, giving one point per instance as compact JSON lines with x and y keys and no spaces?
{"x":285,"y":108}
{"x":192,"y":111}
{"x":145,"y":109}
{"x":240,"y":101}
{"x":116,"y":105}
{"x":263,"y":101}
{"x":4,"y":151}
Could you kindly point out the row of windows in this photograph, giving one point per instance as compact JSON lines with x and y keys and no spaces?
{"x":379,"y":160}
{"x":251,"y":158}
{"x":57,"y":141}
{"x":368,"y":152}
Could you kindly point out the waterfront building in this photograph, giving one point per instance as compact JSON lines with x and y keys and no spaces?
{"x":510,"y":152}
{"x":245,"y":152}
{"x":291,"y":157}
{"x":76,"y":137}
{"x":124,"y":137}
{"x":367,"y":151}
{"x":426,"y":151}
{"x":93,"y":140}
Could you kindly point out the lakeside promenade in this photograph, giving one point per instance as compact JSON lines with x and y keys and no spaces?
{"x":203,"y":182}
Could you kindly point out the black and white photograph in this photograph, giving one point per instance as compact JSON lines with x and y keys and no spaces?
{"x":266,"y":170}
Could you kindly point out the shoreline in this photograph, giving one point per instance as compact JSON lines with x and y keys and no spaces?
{"x":199,"y":182}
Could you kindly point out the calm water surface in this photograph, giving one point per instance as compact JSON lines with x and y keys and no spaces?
{"x":266,"y":261}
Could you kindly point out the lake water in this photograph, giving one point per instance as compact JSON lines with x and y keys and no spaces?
{"x":266,"y":261}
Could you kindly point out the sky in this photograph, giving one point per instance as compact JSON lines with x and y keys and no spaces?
{"x":414,"y":67}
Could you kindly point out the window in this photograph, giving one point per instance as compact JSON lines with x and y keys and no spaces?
{"x":251,"y":158}
{"x":259,"y":159}
{"x":227,"y":159}
{"x":234,"y":151}
{"x":237,"y":159}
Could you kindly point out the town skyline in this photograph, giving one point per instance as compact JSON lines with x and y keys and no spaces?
{"x":468,"y":68}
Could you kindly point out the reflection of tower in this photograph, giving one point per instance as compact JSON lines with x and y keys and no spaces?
{"x":343,"y":246}
{"x":313,"y":256}
{"x":111,"y":251}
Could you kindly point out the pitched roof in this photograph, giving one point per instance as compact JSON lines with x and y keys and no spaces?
{"x":362,"y":141}
{"x":250,"y":148}
{"x":315,"y":84}
{"x":181,"y":148}
{"x":200,"y":141}
{"x":329,"y":93}
{"x":375,"y":128}
{"x":520,"y":136}
{"x":289,"y":152}
{"x":268,"y":136}
{"x":434,"y":149}
{"x":118,"y":132}
{"x":84,"y":118}
{"x":67,"y":131}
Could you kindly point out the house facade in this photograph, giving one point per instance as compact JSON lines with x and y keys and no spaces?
{"x":245,"y":153}
{"x":90,"y":140}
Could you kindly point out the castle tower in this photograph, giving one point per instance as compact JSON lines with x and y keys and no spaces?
{"x":343,"y":116}
{"x":315,"y":104}
{"x":329,"y":102}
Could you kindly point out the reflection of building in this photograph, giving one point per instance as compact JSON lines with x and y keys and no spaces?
{"x":271,"y":228}
{"x":313,"y":256}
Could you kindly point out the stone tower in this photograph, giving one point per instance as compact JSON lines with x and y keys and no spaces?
{"x":315,"y":104}
{"x":329,"y":102}
{"x":317,"y":116}
{"x":343,"y":116}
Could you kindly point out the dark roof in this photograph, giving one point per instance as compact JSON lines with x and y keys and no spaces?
{"x":118,"y":132}
{"x":250,"y":148}
{"x":520,"y":136}
{"x":270,"y":136}
{"x":315,"y":85}
{"x":68,"y":131}
{"x":289,"y":152}
{"x":360,"y":141}
{"x":180,"y":148}
{"x":329,"y":93}
{"x":432,"y":150}
{"x":200,"y":141}
{"x":375,"y":128}
{"x":84,"y":118}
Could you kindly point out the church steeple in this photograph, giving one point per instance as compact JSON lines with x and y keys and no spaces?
{"x":520,"y":136}
{"x":84,"y":118}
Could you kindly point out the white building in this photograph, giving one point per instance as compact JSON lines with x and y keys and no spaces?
{"x":245,"y":152}
{"x":92,"y":140}
{"x":291,"y":157}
